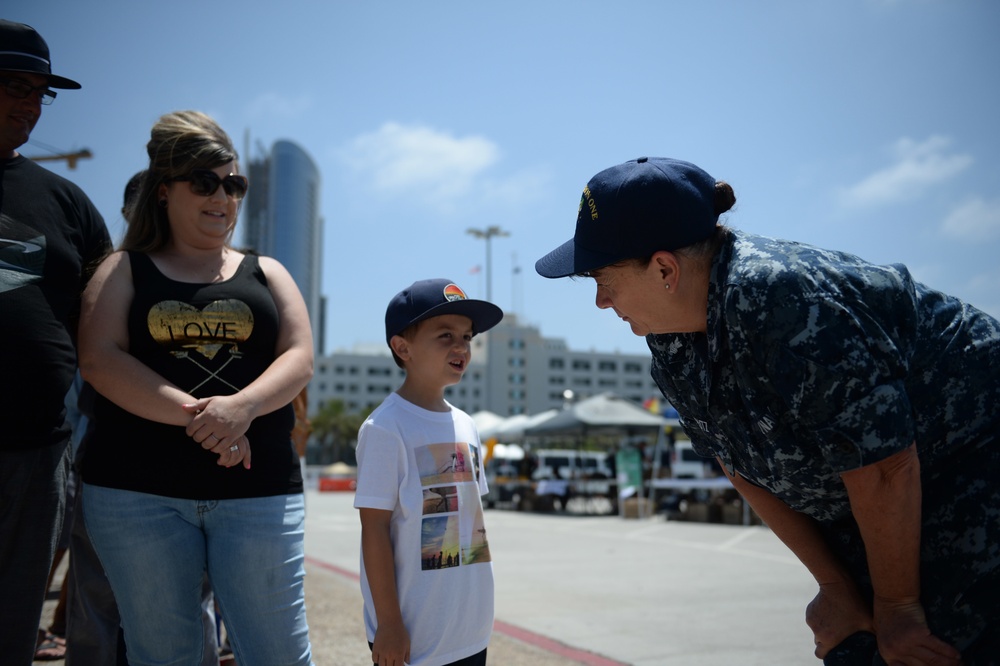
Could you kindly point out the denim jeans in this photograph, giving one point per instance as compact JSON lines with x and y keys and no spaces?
{"x":93,"y":626}
{"x":155,"y":550}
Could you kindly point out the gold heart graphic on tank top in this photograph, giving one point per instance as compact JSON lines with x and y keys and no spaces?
{"x":178,"y":325}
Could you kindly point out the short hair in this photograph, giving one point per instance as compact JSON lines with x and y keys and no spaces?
{"x":131,"y":193}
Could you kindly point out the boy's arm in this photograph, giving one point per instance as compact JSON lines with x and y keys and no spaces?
{"x":391,"y":646}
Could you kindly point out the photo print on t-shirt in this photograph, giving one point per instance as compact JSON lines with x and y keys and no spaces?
{"x":440,"y":499}
{"x":453,"y":532}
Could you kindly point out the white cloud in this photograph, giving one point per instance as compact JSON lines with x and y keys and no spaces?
{"x":980,"y":290}
{"x":916,"y":165}
{"x":419,"y":161}
{"x":527,"y":184}
{"x":976,"y":220}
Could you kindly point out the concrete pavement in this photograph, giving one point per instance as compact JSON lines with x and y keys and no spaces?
{"x":605,"y":590}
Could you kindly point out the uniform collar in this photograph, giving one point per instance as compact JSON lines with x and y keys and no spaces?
{"x":718,"y":279}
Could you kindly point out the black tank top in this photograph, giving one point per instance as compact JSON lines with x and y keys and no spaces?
{"x":208,"y":339}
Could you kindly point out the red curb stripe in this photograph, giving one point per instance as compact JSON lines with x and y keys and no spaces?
{"x":346,"y":573}
{"x":523,"y":635}
{"x":553,"y":646}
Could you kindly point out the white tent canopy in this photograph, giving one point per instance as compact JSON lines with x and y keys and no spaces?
{"x":606,"y":413}
{"x":508,"y":451}
{"x":486,"y":421}
{"x":498,"y":430}
{"x":511,"y":429}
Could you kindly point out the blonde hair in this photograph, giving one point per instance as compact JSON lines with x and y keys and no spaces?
{"x":179,"y":142}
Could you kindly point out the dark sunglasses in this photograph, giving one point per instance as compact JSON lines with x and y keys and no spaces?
{"x":19,"y":89}
{"x":204,"y":183}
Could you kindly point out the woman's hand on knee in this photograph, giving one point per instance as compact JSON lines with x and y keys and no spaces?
{"x":904,"y":637}
{"x":837,"y":612}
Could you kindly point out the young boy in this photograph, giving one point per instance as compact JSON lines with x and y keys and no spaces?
{"x":426,"y":572}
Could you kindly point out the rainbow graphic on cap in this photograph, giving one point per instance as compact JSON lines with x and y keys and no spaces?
{"x":453,"y":293}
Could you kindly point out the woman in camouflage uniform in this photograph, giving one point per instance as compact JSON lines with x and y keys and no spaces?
{"x":852,"y":407}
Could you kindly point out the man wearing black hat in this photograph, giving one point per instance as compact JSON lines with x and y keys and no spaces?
{"x":51,"y":235}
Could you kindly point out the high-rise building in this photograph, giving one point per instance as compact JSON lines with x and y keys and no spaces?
{"x":281,"y":219}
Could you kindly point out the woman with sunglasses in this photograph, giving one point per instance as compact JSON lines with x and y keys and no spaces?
{"x":197,"y":351}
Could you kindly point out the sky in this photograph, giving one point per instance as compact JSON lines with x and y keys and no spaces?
{"x":868,"y":126}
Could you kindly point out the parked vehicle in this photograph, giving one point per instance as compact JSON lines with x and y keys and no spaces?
{"x":686,"y":464}
{"x":569,"y":464}
{"x":504,"y":475}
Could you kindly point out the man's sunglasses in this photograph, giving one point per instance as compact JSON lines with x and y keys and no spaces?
{"x":204,"y":183}
{"x":19,"y":89}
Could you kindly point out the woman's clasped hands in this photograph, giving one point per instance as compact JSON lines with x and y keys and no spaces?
{"x":219,"y":425}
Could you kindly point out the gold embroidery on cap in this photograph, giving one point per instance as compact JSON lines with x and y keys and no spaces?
{"x":589,"y":198}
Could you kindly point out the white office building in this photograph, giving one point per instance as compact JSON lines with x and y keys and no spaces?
{"x":514,"y":370}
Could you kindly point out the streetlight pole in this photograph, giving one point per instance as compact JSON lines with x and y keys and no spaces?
{"x":488,"y":233}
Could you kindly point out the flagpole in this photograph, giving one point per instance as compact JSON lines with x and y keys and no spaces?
{"x":477,"y":270}
{"x":515,"y":285}
{"x":487,"y":234}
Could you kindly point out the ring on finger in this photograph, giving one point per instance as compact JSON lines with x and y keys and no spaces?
{"x":234,"y":448}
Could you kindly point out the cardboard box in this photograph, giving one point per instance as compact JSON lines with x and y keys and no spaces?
{"x":632,"y":506}
{"x":732,"y":514}
{"x":700,"y":512}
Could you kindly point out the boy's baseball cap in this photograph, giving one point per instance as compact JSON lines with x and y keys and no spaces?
{"x":635,"y":209}
{"x":22,"y":49}
{"x":429,"y":298}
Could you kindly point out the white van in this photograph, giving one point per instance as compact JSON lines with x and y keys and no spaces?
{"x":570,"y":464}
{"x":686,"y":464}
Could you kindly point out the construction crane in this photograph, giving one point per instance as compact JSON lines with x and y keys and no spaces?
{"x":71,"y":158}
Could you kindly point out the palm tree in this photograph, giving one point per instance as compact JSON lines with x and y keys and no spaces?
{"x":335,"y":432}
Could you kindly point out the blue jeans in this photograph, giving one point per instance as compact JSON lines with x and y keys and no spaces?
{"x":93,"y":626}
{"x":155,"y":550}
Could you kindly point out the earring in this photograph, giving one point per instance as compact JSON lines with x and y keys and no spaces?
{"x":666,"y":286}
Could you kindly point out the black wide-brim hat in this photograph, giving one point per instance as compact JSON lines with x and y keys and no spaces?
{"x":22,"y":49}
{"x":430,"y":298}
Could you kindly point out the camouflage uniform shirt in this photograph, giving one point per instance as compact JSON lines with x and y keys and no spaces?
{"x":816,"y":362}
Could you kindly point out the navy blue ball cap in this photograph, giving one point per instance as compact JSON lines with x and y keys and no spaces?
{"x":635,"y":209}
{"x":430,"y":298}
{"x":22,"y":49}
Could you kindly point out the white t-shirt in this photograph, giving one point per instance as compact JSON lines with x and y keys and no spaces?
{"x":426,"y":467}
